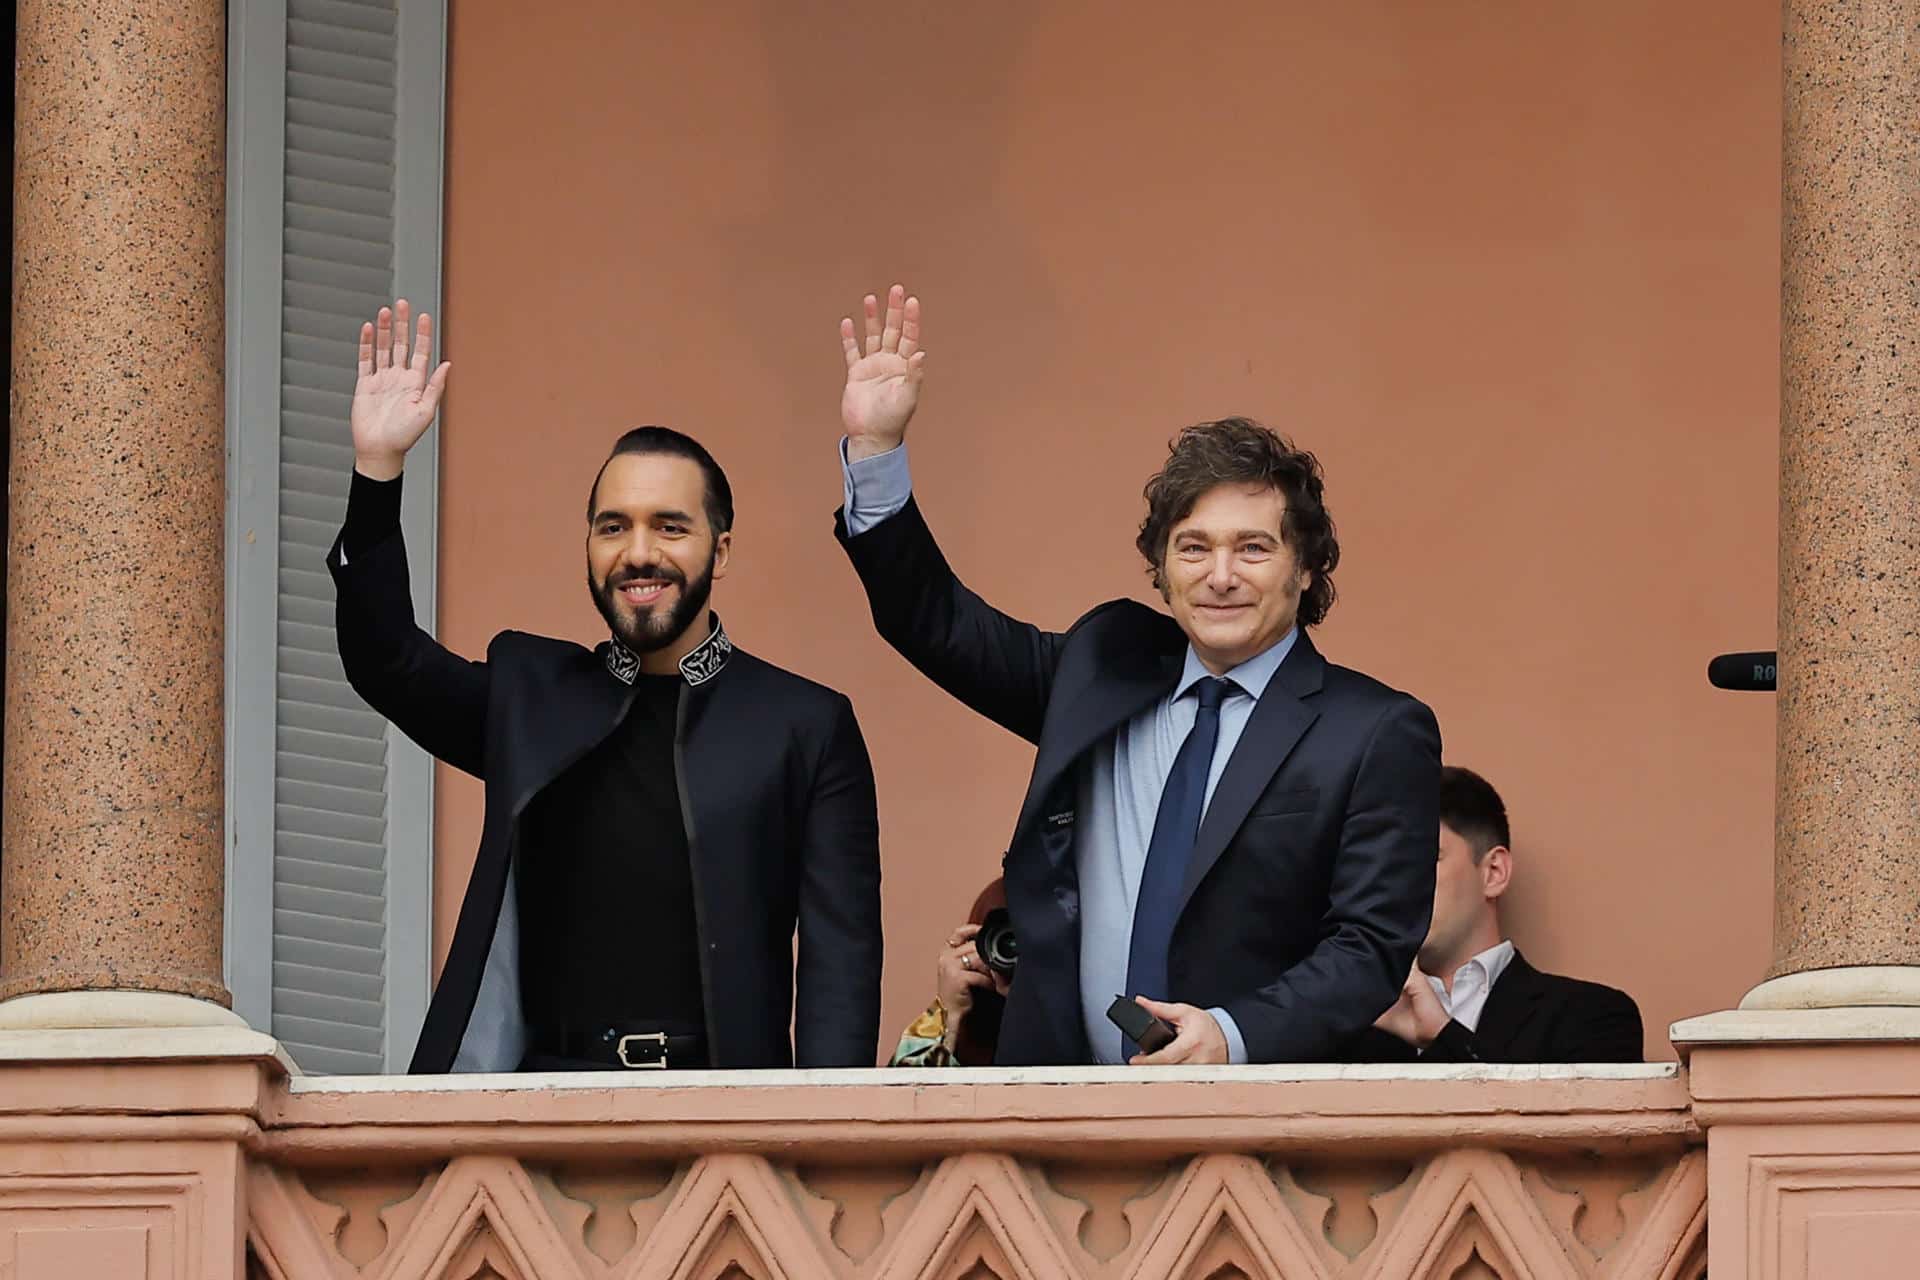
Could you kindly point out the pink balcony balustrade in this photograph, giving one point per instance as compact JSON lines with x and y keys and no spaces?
{"x":1074,"y":1174}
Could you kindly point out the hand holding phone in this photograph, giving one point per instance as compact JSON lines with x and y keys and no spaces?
{"x":1139,"y":1026}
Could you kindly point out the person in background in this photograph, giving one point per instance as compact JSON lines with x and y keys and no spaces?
{"x":1471,"y":996}
{"x":962,"y":1025}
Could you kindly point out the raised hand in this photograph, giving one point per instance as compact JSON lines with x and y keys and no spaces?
{"x":394,"y":399}
{"x":883,"y":382}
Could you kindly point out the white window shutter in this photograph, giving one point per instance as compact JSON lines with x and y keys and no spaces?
{"x":335,"y":159}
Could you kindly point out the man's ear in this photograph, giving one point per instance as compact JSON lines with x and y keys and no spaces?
{"x":722,"y":552}
{"x":1496,"y":870}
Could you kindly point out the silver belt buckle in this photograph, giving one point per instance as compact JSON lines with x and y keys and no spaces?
{"x":656,"y":1037}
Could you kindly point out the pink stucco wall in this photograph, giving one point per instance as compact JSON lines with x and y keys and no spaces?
{"x":1512,"y":270}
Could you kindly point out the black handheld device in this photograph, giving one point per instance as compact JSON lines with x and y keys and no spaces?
{"x":1139,"y":1026}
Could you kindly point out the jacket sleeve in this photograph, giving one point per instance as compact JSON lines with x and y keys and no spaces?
{"x":1600,"y":1025}
{"x":436,"y":697}
{"x":1455,"y":1043}
{"x":1380,"y":899}
{"x":1604,"y":1027}
{"x":997,"y":665}
{"x":837,"y":1000}
{"x":1375,"y":1045}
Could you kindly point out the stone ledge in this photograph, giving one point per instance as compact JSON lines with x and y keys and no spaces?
{"x":113,"y":1045}
{"x":1730,"y":1027}
{"x":73,"y":1010}
{"x":1068,"y":1112}
{"x":977,"y":1077}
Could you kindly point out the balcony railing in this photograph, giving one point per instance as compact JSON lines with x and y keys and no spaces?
{"x":1388,"y":1172}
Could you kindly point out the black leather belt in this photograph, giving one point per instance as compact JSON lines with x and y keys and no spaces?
{"x":632,"y":1047}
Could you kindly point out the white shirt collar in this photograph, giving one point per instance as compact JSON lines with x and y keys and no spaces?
{"x":1472,"y":984}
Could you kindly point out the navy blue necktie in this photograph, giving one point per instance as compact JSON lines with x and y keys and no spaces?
{"x":1175,"y":828}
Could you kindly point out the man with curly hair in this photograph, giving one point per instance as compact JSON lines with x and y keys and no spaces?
{"x":1220,"y":823}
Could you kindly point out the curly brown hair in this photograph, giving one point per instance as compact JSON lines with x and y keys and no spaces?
{"x":1242,"y":451}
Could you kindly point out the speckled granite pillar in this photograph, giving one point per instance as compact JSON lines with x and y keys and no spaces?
{"x":1847,"y":861}
{"x":113,"y":872}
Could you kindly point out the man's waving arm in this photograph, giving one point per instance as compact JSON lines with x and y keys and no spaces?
{"x":998,"y":665}
{"x":436,"y":697}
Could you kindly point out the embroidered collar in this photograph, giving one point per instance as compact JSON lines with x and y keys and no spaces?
{"x":698,"y":667}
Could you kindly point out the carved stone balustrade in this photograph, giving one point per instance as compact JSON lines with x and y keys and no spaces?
{"x":195,"y":1154}
{"x":1305,"y":1172}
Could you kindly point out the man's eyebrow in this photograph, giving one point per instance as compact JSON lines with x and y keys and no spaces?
{"x":1239,"y":535}
{"x":670,"y":513}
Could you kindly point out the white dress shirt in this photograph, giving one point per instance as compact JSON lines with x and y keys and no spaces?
{"x":1472,"y":983}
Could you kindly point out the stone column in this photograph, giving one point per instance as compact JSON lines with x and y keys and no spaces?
{"x":1810,"y":1091}
{"x":1847,"y":843}
{"x":113,"y":867}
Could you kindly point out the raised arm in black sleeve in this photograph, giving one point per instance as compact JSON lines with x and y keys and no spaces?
{"x":995,"y":664}
{"x":436,"y":697}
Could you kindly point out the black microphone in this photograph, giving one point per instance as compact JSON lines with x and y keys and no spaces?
{"x":1747,"y":671}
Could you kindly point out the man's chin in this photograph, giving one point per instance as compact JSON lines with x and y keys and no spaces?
{"x":651,"y":631}
{"x":642,"y":638}
{"x":1231,"y":645}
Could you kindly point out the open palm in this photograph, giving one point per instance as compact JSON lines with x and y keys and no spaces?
{"x":883,"y":380}
{"x":395,"y":398}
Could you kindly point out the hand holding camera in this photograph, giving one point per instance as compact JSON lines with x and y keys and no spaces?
{"x":967,"y":965}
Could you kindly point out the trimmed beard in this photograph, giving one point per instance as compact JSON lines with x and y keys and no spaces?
{"x":648,"y":630}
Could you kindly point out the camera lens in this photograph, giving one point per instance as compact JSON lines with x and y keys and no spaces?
{"x":996,"y":942}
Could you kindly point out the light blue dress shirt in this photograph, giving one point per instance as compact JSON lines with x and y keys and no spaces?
{"x":1120,"y":784}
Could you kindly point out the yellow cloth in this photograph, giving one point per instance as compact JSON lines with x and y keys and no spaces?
{"x":924,"y":1044}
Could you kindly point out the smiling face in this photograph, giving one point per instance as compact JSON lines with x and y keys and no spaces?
{"x":652,"y":554}
{"x":1229,"y":577}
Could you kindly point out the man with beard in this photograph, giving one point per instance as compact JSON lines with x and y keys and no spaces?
{"x":662,"y":811}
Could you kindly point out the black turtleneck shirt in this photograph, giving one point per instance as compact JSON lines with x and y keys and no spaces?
{"x":608,"y":930}
{"x":606,"y":888}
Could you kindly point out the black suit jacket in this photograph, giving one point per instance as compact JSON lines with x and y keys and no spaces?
{"x":1530,"y":1016}
{"x":1312,"y":878}
{"x":776,"y":792}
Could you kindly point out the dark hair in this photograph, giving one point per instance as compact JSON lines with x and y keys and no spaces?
{"x":1241,"y":451}
{"x":665,"y":440}
{"x":1472,"y":809}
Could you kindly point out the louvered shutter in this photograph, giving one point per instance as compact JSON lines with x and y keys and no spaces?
{"x":334,"y":209}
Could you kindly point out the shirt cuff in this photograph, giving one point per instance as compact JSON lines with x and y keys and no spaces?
{"x":875,"y":488}
{"x":1236,"y":1043}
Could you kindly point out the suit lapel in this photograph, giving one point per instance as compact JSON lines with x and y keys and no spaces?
{"x":1115,"y":691}
{"x":1510,"y":1005}
{"x":1280,"y":719}
{"x":577,"y":713}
